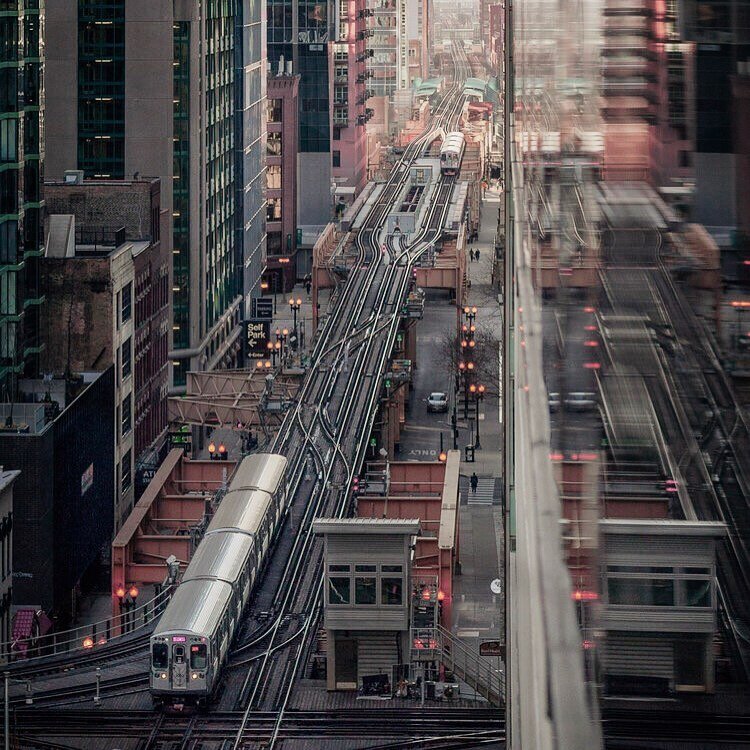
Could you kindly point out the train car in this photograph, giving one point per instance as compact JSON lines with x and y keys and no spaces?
{"x":191,"y":641}
{"x":451,"y":153}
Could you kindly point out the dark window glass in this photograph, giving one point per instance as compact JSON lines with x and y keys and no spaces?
{"x":656,"y":592}
{"x":273,"y":144}
{"x":198,"y":656}
{"x":126,"y":414}
{"x":365,"y":590}
{"x":339,"y":568}
{"x":159,"y":656}
{"x":391,"y":568}
{"x":391,"y":591}
{"x":339,"y":591}
{"x":127,"y":473}
{"x":127,"y":301}
{"x":697,"y":593}
{"x":337,"y":158}
{"x":274,"y":110}
{"x":127,"y":357}
{"x":366,"y":568}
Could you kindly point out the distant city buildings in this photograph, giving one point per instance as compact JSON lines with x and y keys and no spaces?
{"x":281,"y":182}
{"x":106,"y":279}
{"x":300,"y":32}
{"x":21,"y":200}
{"x":152,"y":88}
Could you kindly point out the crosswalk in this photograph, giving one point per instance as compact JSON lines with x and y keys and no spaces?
{"x":487,"y":493}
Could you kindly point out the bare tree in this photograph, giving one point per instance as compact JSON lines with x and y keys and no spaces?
{"x":485,"y":354}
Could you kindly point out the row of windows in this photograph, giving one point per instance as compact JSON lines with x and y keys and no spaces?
{"x":369,"y":585}
{"x":659,"y":592}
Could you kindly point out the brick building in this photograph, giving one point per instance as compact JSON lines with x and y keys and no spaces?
{"x":281,"y":182}
{"x":106,"y":277}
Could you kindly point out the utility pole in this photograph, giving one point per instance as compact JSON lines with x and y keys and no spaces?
{"x":508,"y":377}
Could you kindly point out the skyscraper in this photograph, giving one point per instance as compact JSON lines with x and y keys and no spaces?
{"x":173,"y":89}
{"x":21,"y":156}
{"x":300,"y":31}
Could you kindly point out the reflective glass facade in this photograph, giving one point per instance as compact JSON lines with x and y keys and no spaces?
{"x":181,"y":187}
{"x":101,"y":88}
{"x":21,"y":160}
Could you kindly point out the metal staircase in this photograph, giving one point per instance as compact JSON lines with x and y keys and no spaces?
{"x":438,"y":645}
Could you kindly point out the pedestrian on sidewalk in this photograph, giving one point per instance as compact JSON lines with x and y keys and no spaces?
{"x":474,"y":483}
{"x":476,"y":253}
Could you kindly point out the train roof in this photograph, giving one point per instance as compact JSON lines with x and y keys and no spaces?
{"x":221,"y":556}
{"x":263,"y":471}
{"x":196,"y":607}
{"x":242,"y":510}
{"x":452,"y":140}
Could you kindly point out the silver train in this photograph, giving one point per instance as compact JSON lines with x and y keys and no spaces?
{"x":190,"y":644}
{"x":451,"y":153}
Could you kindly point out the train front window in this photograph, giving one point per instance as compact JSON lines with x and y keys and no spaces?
{"x":198,"y":656}
{"x":160,"y":655}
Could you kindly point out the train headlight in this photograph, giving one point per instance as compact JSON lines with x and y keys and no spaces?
{"x":194,"y":675}
{"x":163,"y":675}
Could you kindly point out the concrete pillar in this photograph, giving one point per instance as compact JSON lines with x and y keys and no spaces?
{"x":330,"y":659}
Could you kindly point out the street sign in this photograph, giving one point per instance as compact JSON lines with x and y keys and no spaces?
{"x":263,"y":307}
{"x":257,"y":335}
{"x":496,"y":587}
{"x":492,"y":648}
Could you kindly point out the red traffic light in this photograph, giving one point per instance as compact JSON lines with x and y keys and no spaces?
{"x":133,"y":592}
{"x":88,"y":642}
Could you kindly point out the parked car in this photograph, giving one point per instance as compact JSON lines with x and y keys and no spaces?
{"x":437,"y":402}
{"x":580,"y":401}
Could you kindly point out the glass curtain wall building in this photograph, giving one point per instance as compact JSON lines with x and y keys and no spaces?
{"x":21,"y":169}
{"x":299,"y":31}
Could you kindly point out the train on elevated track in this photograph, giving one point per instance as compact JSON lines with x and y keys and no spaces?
{"x":191,"y":642}
{"x":451,"y":153}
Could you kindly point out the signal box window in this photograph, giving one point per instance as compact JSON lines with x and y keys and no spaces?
{"x":160,"y":656}
{"x":339,"y":591}
{"x":391,"y":591}
{"x":198,"y":656}
{"x":365,"y":591}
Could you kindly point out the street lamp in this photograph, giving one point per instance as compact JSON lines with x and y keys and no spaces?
{"x":295,"y":304}
{"x":477,"y":393}
{"x":465,"y":371}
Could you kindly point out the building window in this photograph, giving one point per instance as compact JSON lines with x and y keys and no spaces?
{"x":391,"y":591}
{"x":273,"y":209}
{"x":273,"y":176}
{"x":127,"y":302}
{"x":365,"y":590}
{"x":127,"y":357}
{"x":127,"y":473}
{"x":273,"y":144}
{"x":336,"y":133}
{"x":337,"y":158}
{"x":273,"y":243}
{"x":127,"y":408}
{"x":641,"y":592}
{"x":697,"y":593}
{"x":274,"y":110}
{"x":339,"y":590}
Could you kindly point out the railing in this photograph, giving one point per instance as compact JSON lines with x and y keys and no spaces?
{"x":476,"y":671}
{"x":89,"y":637}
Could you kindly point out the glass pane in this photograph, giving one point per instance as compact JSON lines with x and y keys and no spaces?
{"x":697,"y":593}
{"x":391,"y":591}
{"x":365,"y":568}
{"x":658,"y":592}
{"x":365,"y":591}
{"x":338,"y":568}
{"x":159,"y":655}
{"x":391,"y":568}
{"x":339,"y":591}
{"x":198,"y":655}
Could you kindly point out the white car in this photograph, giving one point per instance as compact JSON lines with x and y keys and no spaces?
{"x":437,"y":402}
